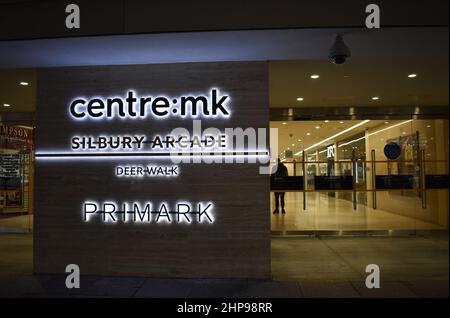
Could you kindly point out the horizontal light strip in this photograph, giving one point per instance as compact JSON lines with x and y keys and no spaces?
{"x":375,"y":132}
{"x":336,"y":135}
{"x":396,"y":125}
{"x":148,"y":155}
{"x":352,"y":141}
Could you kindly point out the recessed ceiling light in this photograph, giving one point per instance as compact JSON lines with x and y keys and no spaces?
{"x":375,"y":98}
{"x":300,"y":99}
{"x":412,"y":75}
{"x":24,"y":83}
{"x":317,"y":127}
{"x":307,"y":134}
{"x":293,"y":145}
{"x":299,"y":140}
{"x":284,"y":123}
{"x":341,"y":122}
{"x":6,"y":105}
{"x":326,"y":121}
{"x":386,"y":122}
{"x":288,"y":148}
{"x":428,"y":126}
{"x":314,"y":76}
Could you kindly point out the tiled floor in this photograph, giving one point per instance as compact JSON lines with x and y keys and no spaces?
{"x":301,"y":267}
{"x":325,"y":213}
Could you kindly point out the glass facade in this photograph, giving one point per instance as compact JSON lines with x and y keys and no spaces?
{"x":16,"y":177}
{"x":367,"y":175}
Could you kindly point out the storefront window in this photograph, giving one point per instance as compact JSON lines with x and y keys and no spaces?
{"x":382,"y":175}
{"x":16,"y":177}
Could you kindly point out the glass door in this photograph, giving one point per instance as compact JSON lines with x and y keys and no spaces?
{"x":363,"y":175}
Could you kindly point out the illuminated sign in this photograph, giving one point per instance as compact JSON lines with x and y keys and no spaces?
{"x":133,"y":106}
{"x":330,"y":151}
{"x":146,"y":212}
{"x":139,"y":142}
{"x":180,"y":145}
{"x":146,"y":171}
{"x":16,"y":132}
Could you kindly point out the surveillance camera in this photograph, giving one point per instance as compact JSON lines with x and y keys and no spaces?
{"x":339,"y":52}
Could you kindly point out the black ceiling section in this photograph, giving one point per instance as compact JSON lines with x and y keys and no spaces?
{"x":46,"y":19}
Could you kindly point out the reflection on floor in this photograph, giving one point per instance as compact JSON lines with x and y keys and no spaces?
{"x":19,"y":223}
{"x":325,"y":213}
{"x":301,"y":267}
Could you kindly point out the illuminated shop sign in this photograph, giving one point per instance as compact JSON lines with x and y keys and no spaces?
{"x":133,"y":106}
{"x":140,"y":142}
{"x":16,"y":132}
{"x":147,"y":212}
{"x":330,"y":151}
{"x":180,"y":145}
{"x":146,"y":171}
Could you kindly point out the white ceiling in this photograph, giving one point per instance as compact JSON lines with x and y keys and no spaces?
{"x":259,"y":45}
{"x":380,"y":63}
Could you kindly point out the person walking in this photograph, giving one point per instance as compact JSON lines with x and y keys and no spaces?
{"x":280,"y":170}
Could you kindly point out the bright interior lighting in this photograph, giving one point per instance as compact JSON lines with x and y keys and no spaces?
{"x":375,"y":98}
{"x":338,"y":134}
{"x":314,"y":76}
{"x":24,"y":83}
{"x":299,"y":99}
{"x":412,"y":75}
{"x":6,"y":105}
{"x":351,"y":141}
{"x":384,"y":129}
